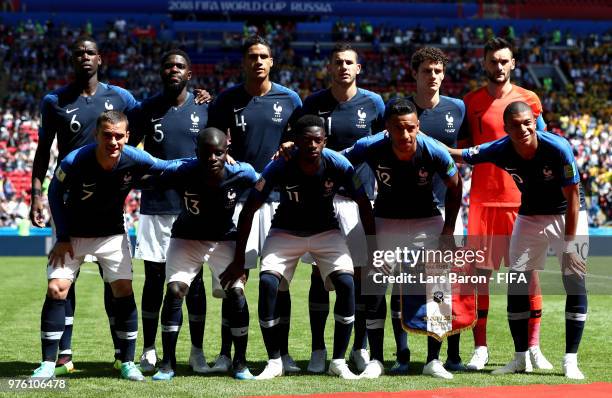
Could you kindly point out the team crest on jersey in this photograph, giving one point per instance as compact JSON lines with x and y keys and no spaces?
{"x":230,"y":195}
{"x":195,"y":120}
{"x":127,"y":179}
{"x":548,"y":173}
{"x":423,"y":175}
{"x":108,"y":106}
{"x":450,"y":123}
{"x":278,"y":109}
{"x":329,"y":187}
{"x":361,"y":119}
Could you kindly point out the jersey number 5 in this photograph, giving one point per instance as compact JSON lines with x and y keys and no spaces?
{"x":158,"y":136}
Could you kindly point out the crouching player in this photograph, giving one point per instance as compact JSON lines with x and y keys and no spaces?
{"x":96,"y":179}
{"x":205,"y":232}
{"x":304,"y":223}
{"x":552,"y":212}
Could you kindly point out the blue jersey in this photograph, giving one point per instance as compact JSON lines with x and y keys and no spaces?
{"x":306,"y":201}
{"x":405,"y":188}
{"x":169,"y":132}
{"x":93,"y":206}
{"x":257,"y":125}
{"x":71,"y":117}
{"x":349,"y":121}
{"x":444,"y":122}
{"x":539,"y":179}
{"x":207,"y":210}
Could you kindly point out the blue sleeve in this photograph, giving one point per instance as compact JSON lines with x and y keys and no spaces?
{"x":378,"y":124}
{"x":128,"y":99}
{"x":47,"y":129}
{"x":249,"y":174}
{"x":568,"y":163}
{"x":350,"y":180}
{"x":57,"y":189}
{"x":446,"y":167}
{"x":269,"y":178}
{"x":540,"y":123}
{"x":487,"y":152}
{"x":357,"y":153}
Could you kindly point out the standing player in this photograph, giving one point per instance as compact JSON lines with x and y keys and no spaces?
{"x":406,"y":209}
{"x":304,"y":222}
{"x":70,"y":113}
{"x":494,"y":198}
{"x":205,"y":232}
{"x":256,"y":115}
{"x":442,"y":118}
{"x":350,"y":113}
{"x":91,"y":184}
{"x":552,"y":212}
{"x":169,"y":122}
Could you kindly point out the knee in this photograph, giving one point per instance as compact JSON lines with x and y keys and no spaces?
{"x":57,"y":290}
{"x":177,"y":290}
{"x":121,"y":288}
{"x":269,"y":281}
{"x":343,"y":283}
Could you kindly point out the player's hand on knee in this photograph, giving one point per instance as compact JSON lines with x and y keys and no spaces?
{"x":573,"y":263}
{"x":284,"y":150}
{"x":36,"y":212}
{"x":202,"y":96}
{"x":57,"y":255}
{"x":232,"y":273}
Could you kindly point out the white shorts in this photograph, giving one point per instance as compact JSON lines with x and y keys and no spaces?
{"x":153,"y":237}
{"x":88,"y":258}
{"x":112,"y":253}
{"x":347,"y":213}
{"x":282,"y":251}
{"x":262,"y":221}
{"x":413,"y":234}
{"x":532,"y":235}
{"x":185,"y":259}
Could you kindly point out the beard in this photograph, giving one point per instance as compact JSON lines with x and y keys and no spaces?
{"x":493,"y":78}
{"x":175,"y":88}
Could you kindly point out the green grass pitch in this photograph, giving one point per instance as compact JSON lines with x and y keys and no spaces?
{"x":23,"y":287}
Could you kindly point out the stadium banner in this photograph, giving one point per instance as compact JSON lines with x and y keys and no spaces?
{"x":228,"y":7}
{"x":435,"y":304}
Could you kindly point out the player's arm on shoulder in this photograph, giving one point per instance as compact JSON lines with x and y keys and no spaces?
{"x":477,"y":154}
{"x":357,"y":153}
{"x":256,"y":198}
{"x":540,"y":123}
{"x":201,"y":96}
{"x":57,"y":189}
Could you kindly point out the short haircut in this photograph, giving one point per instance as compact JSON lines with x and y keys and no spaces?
{"x":399,"y":107}
{"x":514,"y":108}
{"x":176,"y":51}
{"x":112,"y":117}
{"x":252,"y":41}
{"x":308,"y":121}
{"x":431,"y":54}
{"x":495,"y":44}
{"x":343,"y":46}
{"x":210,"y":132}
{"x":80,"y":40}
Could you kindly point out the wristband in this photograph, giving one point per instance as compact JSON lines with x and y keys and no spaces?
{"x":569,"y":246}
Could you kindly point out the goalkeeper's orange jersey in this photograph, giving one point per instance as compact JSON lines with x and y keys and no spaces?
{"x":492,"y":186}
